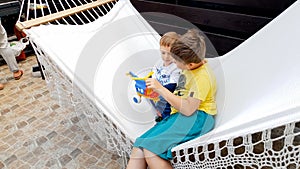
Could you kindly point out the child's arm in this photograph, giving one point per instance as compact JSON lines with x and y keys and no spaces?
{"x":185,"y":106}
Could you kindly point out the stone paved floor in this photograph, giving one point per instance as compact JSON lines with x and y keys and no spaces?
{"x":35,"y":132}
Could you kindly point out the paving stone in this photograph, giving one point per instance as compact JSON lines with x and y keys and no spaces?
{"x":55,"y":106}
{"x":10,"y":140}
{"x":15,"y":107}
{"x":5,"y":111}
{"x":75,"y":153}
{"x":75,"y":128}
{"x":18,"y":133}
{"x":38,"y":151}
{"x":41,"y":140}
{"x":45,"y":93}
{"x":32,"y":119}
{"x":64,"y":142}
{"x":30,"y":159}
{"x":1,"y":96}
{"x":86,"y":137}
{"x":30,"y":83}
{"x":2,"y":120}
{"x":51,"y":163}
{"x":10,"y":127}
{"x":31,"y":131}
{"x":4,"y":147}
{"x":85,"y":145}
{"x":22,"y":86}
{"x":10,"y":159}
{"x":113,"y":165}
{"x":21,"y":124}
{"x":4,"y":133}
{"x":95,"y":152}
{"x":21,"y":151}
{"x":28,"y":143}
{"x":41,"y":163}
{"x":100,"y":164}
{"x":25,"y":166}
{"x":67,"y":132}
{"x":75,"y":119}
{"x":90,"y":161}
{"x":106,"y":158}
{"x":65,"y":159}
{"x":16,"y":164}
{"x":73,"y":136}
{"x":42,"y":125}
{"x":51,"y":135}
{"x":82,"y":157}
{"x":37,"y":96}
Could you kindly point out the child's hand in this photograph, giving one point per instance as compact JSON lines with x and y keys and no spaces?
{"x":152,"y":83}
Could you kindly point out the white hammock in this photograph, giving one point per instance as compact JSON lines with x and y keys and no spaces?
{"x":86,"y":56}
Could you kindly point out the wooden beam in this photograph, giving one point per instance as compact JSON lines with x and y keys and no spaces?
{"x":58,"y":15}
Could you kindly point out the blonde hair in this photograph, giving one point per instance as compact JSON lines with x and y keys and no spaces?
{"x":189,"y":48}
{"x":168,"y":39}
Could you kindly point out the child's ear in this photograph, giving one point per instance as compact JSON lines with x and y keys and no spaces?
{"x":191,"y":65}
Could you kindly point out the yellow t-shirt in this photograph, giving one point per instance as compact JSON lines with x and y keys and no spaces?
{"x":201,"y":84}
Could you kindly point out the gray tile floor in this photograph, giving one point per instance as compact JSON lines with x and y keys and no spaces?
{"x":36,"y":132}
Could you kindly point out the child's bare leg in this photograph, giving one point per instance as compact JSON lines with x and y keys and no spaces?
{"x":137,"y":159}
{"x":155,"y":162}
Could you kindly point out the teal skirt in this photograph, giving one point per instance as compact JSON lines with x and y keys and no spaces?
{"x":174,"y":130}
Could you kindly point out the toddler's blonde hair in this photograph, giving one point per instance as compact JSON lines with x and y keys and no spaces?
{"x":168,"y":39}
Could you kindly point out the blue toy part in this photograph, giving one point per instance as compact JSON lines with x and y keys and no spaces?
{"x":141,"y":88}
{"x":137,"y":99}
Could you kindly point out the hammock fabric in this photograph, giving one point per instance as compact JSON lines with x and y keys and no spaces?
{"x":86,"y":54}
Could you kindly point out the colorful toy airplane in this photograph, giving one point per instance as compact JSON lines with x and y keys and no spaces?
{"x":141,"y":88}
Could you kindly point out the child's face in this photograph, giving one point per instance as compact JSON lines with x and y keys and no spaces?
{"x":166,"y":55}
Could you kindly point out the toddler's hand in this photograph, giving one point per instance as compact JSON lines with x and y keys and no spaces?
{"x":152,"y":83}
